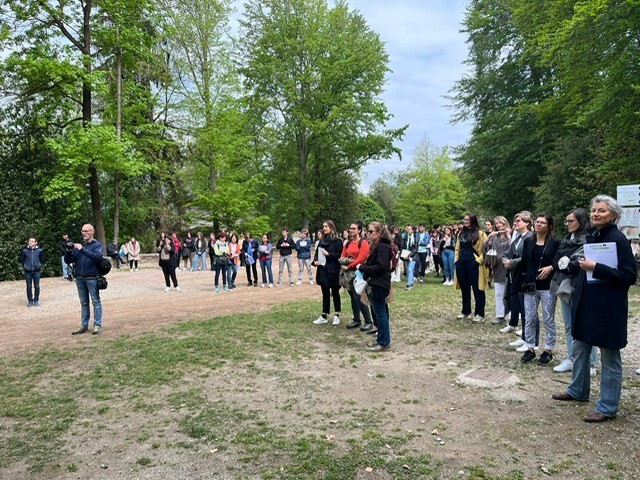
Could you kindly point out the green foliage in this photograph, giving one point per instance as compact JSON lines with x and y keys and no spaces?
{"x":371,"y":210}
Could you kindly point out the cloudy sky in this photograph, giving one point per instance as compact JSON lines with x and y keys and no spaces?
{"x":426,"y":52}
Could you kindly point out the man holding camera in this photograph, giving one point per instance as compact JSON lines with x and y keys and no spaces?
{"x":87,"y":255}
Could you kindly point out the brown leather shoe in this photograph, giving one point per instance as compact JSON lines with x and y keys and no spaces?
{"x":596,"y":417}
{"x":565,"y":397}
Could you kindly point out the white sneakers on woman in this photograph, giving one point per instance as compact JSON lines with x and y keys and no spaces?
{"x":507,"y":329}
{"x":566,"y":365}
{"x":321,"y":320}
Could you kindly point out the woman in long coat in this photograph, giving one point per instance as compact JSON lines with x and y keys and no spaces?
{"x":328,"y":273}
{"x":601,"y":308}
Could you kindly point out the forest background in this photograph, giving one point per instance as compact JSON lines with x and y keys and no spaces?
{"x":142,"y":116}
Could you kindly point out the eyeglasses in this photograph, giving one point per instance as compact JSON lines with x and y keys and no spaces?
{"x":538,"y":222}
{"x":569,"y":222}
{"x":85,"y":231}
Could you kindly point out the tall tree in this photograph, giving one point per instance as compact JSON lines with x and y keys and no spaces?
{"x":313,"y":74}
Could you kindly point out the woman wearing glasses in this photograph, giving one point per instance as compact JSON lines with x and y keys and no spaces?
{"x":601,"y":311}
{"x":565,"y":277}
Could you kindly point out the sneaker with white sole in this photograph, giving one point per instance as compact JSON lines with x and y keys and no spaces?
{"x":516,"y":343}
{"x":524,"y":348}
{"x":311,"y":282}
{"x":462,"y":316}
{"x":478,"y":319}
{"x":166,"y":289}
{"x":271,"y":285}
{"x":320,"y":320}
{"x":178,"y":289}
{"x":518,"y":332}
{"x":507,"y":329}
{"x":566,"y":365}
{"x":638,"y":371}
{"x":336,"y":320}
{"x":298,"y":283}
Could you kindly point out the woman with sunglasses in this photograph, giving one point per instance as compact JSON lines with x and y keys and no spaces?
{"x":377,"y":271}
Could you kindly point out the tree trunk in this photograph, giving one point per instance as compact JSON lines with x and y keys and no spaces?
{"x":116,"y":177}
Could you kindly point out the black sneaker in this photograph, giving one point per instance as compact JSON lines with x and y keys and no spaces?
{"x":545,"y":358}
{"x":80,"y":331}
{"x":528,"y":356}
{"x":353,"y":324}
{"x":366,"y":327}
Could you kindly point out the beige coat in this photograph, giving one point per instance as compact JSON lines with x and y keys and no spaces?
{"x":483,"y":271}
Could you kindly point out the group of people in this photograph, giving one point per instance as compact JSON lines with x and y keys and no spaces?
{"x":528,"y":266}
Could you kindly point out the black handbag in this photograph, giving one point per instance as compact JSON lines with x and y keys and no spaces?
{"x":102,"y":283}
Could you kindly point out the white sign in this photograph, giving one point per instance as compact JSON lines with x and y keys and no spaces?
{"x":629,"y":195}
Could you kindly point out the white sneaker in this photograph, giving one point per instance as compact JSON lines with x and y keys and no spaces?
{"x":516,"y":343}
{"x":638,"y":371}
{"x":463,"y":317}
{"x":336,"y":320}
{"x":311,"y":282}
{"x":262,"y":286}
{"x":518,"y":332}
{"x":298,"y":283}
{"x":450,"y":283}
{"x":478,"y":319}
{"x":593,"y":372}
{"x":566,"y":365}
{"x":277,"y":285}
{"x":524,"y":348}
{"x":507,"y":329}
{"x":178,"y":289}
{"x":320,"y":320}
{"x":271,"y":285}
{"x":166,"y":289}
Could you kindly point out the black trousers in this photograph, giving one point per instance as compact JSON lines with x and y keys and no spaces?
{"x":467,"y":274}
{"x":169,"y":272}
{"x":250,"y":268}
{"x":327,"y":293}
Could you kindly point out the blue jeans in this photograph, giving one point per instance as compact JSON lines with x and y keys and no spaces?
{"x":33,"y":278}
{"x":378,"y":300}
{"x":197,"y":258}
{"x":265,"y":266}
{"x":610,"y":380}
{"x":65,"y":268}
{"x":410,"y":266}
{"x":567,"y":316}
{"x":232,"y":273}
{"x":448,"y":256}
{"x":88,"y":287}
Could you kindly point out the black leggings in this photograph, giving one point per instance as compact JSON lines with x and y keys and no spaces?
{"x":251,"y":267}
{"x":327,"y":293}
{"x":131,"y":262}
{"x":169,"y":272}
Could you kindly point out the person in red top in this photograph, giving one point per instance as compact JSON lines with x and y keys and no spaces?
{"x":177,"y":247}
{"x":357,"y":250}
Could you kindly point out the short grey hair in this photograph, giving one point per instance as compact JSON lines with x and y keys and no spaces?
{"x":611,"y":202}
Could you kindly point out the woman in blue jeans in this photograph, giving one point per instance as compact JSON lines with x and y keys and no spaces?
{"x":265,"y":250}
{"x":601,"y":311}
{"x":447,"y":254}
{"x":377,"y":271}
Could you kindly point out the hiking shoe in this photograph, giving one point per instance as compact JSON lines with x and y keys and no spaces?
{"x":336,"y":320}
{"x":96,"y":330}
{"x":528,"y":356}
{"x":566,"y":365}
{"x":478,"y":319}
{"x":320,"y":320}
{"x":545,"y":358}
{"x":507,"y":329}
{"x":80,"y":331}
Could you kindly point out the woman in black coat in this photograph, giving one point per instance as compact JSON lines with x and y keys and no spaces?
{"x":600,"y":311}
{"x":169,"y":261}
{"x":328,"y":273}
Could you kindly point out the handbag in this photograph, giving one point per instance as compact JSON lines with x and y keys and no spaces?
{"x":405,"y":254}
{"x":491,"y":257}
{"x":102,"y":283}
{"x":359,"y":284}
{"x":221,"y":261}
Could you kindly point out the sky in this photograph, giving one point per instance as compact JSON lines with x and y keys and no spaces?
{"x":426,"y":52}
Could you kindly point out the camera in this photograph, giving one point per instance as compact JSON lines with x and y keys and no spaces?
{"x":69,"y":245}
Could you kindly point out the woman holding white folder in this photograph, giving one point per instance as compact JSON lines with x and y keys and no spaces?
{"x":600,"y":307}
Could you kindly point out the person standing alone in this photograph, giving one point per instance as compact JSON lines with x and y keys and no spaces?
{"x":87,"y":255}
{"x":32,"y":258}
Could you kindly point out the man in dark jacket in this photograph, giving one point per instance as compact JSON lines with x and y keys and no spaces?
{"x":32,"y":258}
{"x":250,"y":250}
{"x":285,"y":245}
{"x":87,"y":255}
{"x":112,"y":251}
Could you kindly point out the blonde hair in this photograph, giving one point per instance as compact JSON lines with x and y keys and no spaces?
{"x":527,"y":217}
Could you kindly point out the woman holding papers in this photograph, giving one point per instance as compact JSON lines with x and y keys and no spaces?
{"x":328,"y":273}
{"x":600,"y":306}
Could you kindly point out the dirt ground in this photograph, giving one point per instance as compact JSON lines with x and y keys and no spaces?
{"x":413,"y":389}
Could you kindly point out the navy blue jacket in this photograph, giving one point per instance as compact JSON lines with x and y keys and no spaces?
{"x":87,"y":259}
{"x":303,"y":246}
{"x":32,"y":259}
{"x":601,"y":309}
